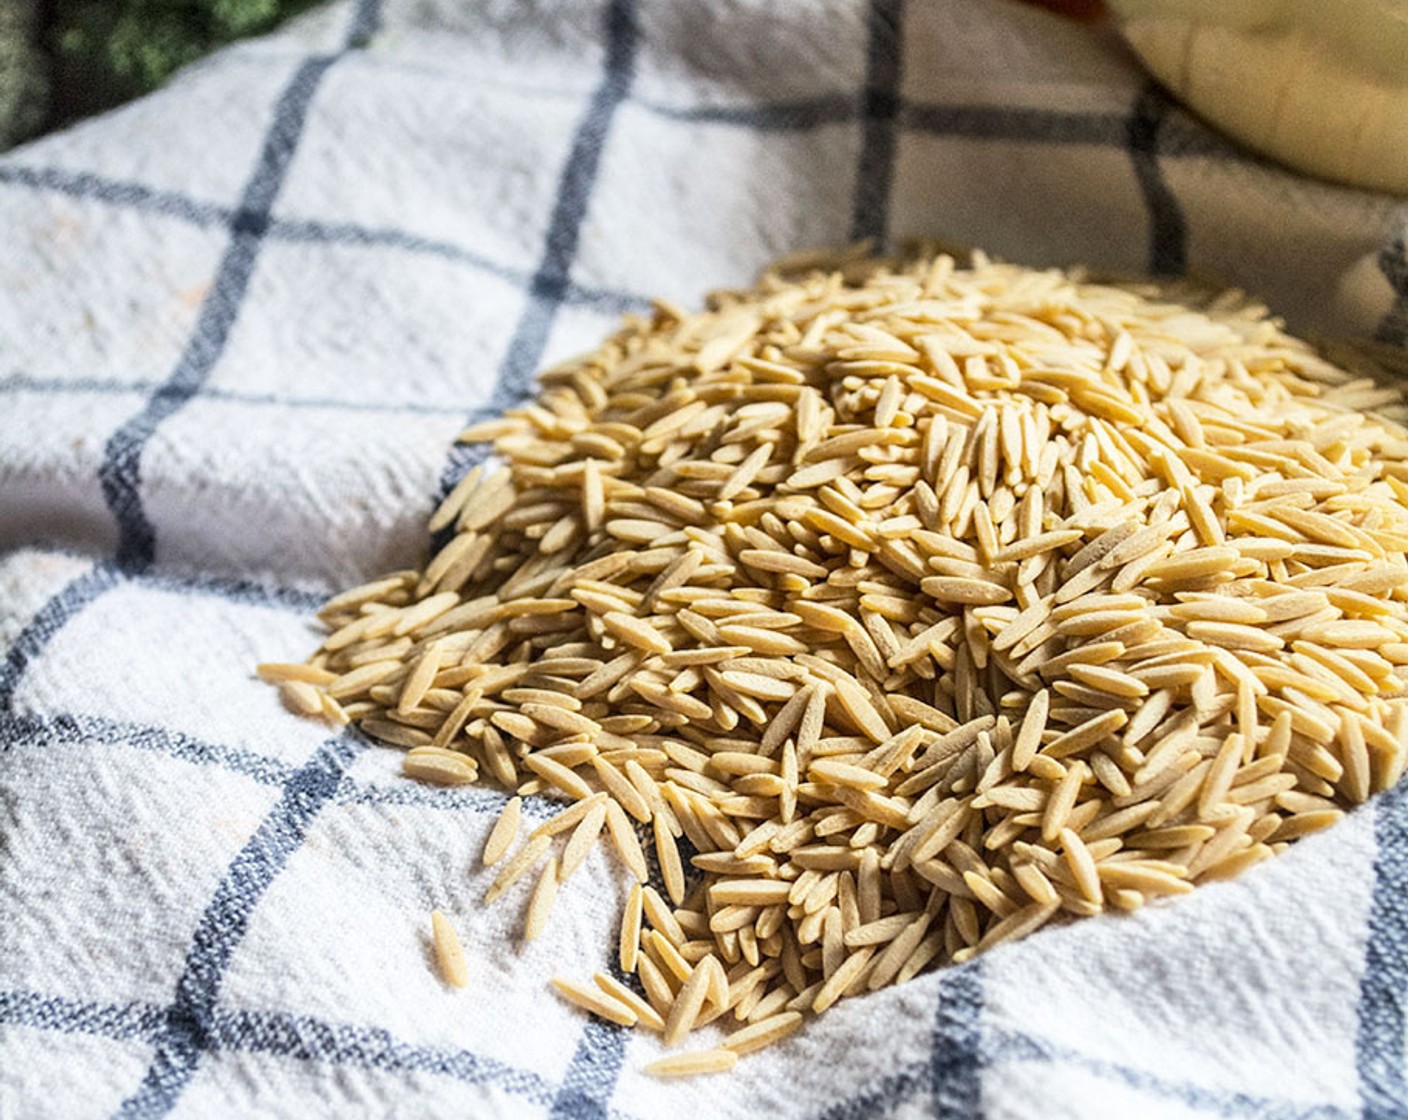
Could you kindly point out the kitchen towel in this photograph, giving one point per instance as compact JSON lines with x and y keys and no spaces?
{"x":241,"y":322}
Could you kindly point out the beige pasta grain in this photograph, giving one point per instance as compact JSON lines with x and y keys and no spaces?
{"x":621,"y":790}
{"x":419,"y":680}
{"x":669,"y":856}
{"x":763,"y":1033}
{"x":273,"y":672}
{"x":504,"y":834}
{"x":334,"y":712}
{"x":689,"y":1001}
{"x":541,"y":900}
{"x":301,"y":697}
{"x":646,"y":1015}
{"x":582,"y":840}
{"x":1020,"y":923}
{"x":595,"y":1001}
{"x":625,"y":841}
{"x":692,"y":1064}
{"x":847,"y":973}
{"x":449,"y":953}
{"x":527,"y":856}
{"x":1061,"y":801}
{"x":635,"y":632}
{"x":669,"y":958}
{"x":430,"y":764}
{"x":749,"y":892}
{"x":629,"y":949}
{"x":1082,"y":866}
{"x":659,"y":991}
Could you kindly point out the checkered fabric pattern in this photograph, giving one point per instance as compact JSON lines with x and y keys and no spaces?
{"x":241,"y":322}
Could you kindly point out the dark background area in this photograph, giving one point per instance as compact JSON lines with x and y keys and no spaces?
{"x":65,"y":59}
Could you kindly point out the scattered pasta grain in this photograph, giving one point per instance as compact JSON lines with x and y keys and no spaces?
{"x":692,"y":1063}
{"x":763,"y":1033}
{"x":540,"y":902}
{"x":449,"y":953}
{"x":595,"y":1001}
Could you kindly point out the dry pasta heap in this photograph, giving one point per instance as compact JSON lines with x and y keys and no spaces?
{"x":909,"y":606}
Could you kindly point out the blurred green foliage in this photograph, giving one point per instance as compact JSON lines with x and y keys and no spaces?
{"x":24,"y":73}
{"x":65,"y":59}
{"x":133,"y":46}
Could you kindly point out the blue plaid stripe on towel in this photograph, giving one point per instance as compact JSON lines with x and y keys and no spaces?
{"x":241,"y":322}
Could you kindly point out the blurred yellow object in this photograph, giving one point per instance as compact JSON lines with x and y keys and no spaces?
{"x":1321,"y":86}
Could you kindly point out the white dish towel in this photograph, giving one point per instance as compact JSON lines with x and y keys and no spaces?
{"x":241,"y":322}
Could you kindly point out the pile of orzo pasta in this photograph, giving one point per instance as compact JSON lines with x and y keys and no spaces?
{"x":903,"y":607}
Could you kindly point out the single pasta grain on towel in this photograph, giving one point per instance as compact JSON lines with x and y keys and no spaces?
{"x":449,"y":953}
{"x":900,"y":608}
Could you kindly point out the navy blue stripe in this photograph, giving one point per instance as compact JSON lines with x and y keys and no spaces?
{"x":302,"y":1038}
{"x":235,"y":589}
{"x":606,"y":300}
{"x":595,"y":1066}
{"x":1002,"y":1046}
{"x":1393,"y":328}
{"x":880,"y":107}
{"x":952,"y":1075}
{"x":51,"y":386}
{"x":1173,"y":139}
{"x":1013,"y":1047}
{"x":586,"y":1091}
{"x":168,"y":204}
{"x":885,"y":1095}
{"x":366,"y":22}
{"x":1168,"y":232}
{"x":957,"y":1058}
{"x":20,"y":383}
{"x":1393,"y":263}
{"x":953,"y":1072}
{"x":1180,"y":136}
{"x":63,"y":607}
{"x":120,"y":473}
{"x":1170,"y":139}
{"x":70,"y":729}
{"x":127,"y":195}
{"x":119,"y":1022}
{"x":778,"y":116}
{"x":1383,"y":989}
{"x":799,"y":114}
{"x":186,"y":1034}
{"x":1024,"y":125}
{"x":475,"y":799}
{"x":548,"y":286}
{"x":307,"y":1039}
{"x":51,"y":618}
{"x":592,"y":1074}
{"x":299,"y":1038}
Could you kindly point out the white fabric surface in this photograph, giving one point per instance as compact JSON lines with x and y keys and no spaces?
{"x":240,"y":323}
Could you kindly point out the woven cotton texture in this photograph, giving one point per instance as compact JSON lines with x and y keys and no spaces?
{"x":241,"y":322}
